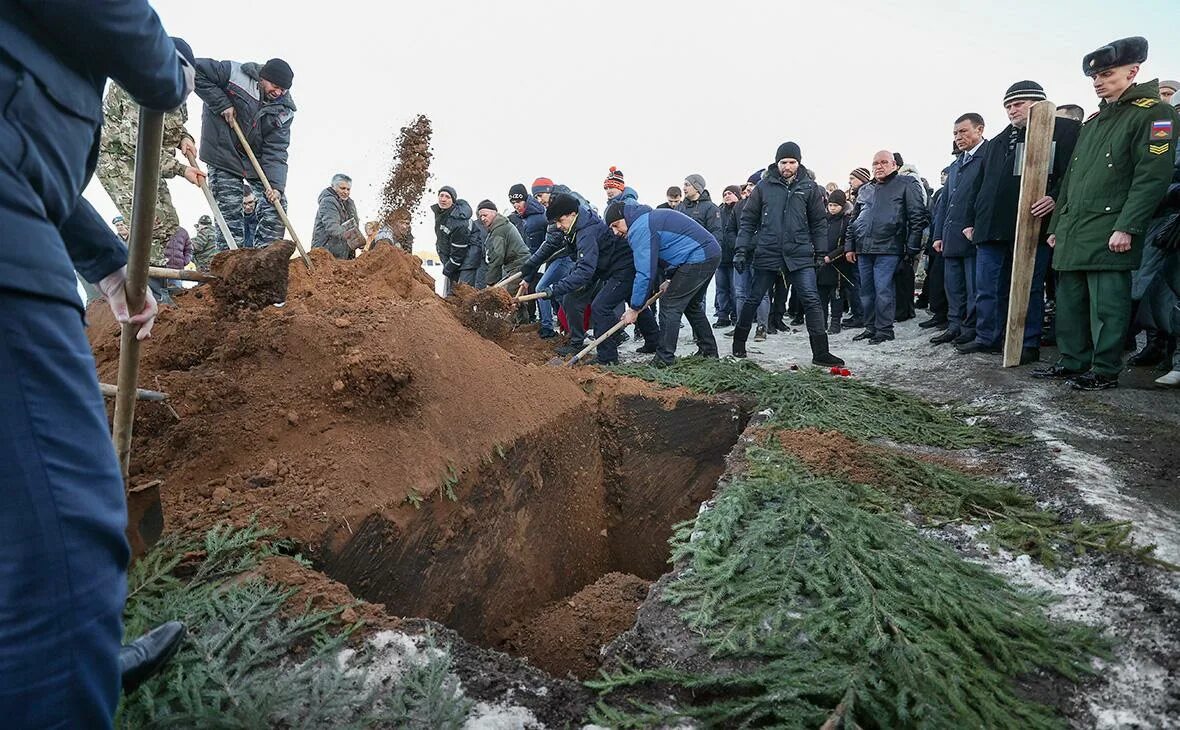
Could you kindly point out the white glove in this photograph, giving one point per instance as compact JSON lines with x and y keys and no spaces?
{"x":113,"y":287}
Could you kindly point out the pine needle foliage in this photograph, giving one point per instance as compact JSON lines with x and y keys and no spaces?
{"x":812,"y":398}
{"x":836,"y":614}
{"x":251,"y":659}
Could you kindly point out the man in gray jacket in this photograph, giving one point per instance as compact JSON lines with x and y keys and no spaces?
{"x":336,"y":227}
{"x":887,"y":224}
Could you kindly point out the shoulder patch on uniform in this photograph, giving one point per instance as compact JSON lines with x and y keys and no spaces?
{"x":1158,"y":149}
{"x":1145,"y":103}
{"x":1161,"y":129}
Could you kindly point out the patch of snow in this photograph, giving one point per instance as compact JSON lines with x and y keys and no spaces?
{"x":485,"y":716}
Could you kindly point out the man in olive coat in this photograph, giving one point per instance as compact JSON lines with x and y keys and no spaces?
{"x":1118,"y":175}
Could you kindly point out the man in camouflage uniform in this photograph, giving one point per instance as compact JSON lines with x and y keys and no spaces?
{"x":204,"y":244}
{"x":1120,"y":171}
{"x":116,"y":162}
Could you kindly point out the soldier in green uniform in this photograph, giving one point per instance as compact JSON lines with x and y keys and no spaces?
{"x":1119,"y":173}
{"x":116,"y":162}
{"x":204,"y":243}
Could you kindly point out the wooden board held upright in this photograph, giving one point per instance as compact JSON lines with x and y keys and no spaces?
{"x":1038,"y":147}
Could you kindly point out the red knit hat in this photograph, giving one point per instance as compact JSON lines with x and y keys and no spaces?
{"x":614,"y":179}
{"x":542,"y":185}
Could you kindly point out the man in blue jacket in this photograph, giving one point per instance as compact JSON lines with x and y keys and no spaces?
{"x":669,"y":241}
{"x":258,"y":97}
{"x":63,"y":554}
{"x":784,"y":228}
{"x":951,"y":215}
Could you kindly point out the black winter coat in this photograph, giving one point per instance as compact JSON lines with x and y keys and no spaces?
{"x":704,"y":211}
{"x":994,"y":211}
{"x":452,"y":232}
{"x":783,"y":225}
{"x":889,"y":218}
{"x":336,"y":225}
{"x":265,"y":123}
{"x":833,"y":249}
{"x":729,"y":231}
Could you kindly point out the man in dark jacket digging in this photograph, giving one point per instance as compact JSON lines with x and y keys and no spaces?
{"x":784,"y":228}
{"x":258,"y":98}
{"x":452,"y":234}
{"x":336,"y":227}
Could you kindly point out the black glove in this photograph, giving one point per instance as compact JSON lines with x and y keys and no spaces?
{"x":451,"y":270}
{"x":528,"y":271}
{"x":739,"y":262}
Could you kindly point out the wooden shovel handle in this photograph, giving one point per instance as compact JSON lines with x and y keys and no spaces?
{"x":618,"y":326}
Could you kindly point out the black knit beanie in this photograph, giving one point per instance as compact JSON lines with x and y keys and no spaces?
{"x":788,"y":149}
{"x":278,"y":72}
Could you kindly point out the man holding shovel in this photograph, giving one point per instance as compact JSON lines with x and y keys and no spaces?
{"x":257,"y":98}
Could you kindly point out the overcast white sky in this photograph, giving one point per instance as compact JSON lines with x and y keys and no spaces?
{"x":660,"y":89}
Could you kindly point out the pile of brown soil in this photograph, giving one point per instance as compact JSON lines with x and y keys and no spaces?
{"x":361,"y":390}
{"x":490,"y":312}
{"x":315,"y":589}
{"x":252,"y":277}
{"x":832,"y":453}
{"x":565,"y":637}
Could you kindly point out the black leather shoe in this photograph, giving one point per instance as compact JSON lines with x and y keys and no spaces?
{"x":945,"y":337}
{"x":1094,"y":381}
{"x":739,"y":353}
{"x":1151,"y":355}
{"x":1030,"y":355}
{"x":971,"y":347}
{"x":659,"y":364}
{"x":934,"y":322}
{"x":1054,"y":372}
{"x":964,"y":338}
{"x":147,"y":655}
{"x":648,"y":348}
{"x":853,"y":322}
{"x":878,"y":339}
{"x":866,"y":335}
{"x":570,"y":349}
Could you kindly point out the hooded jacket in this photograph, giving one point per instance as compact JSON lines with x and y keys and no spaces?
{"x":783,"y":224}
{"x":66,"y":73}
{"x":504,"y":250}
{"x":663,"y":239}
{"x":582,"y":244}
{"x":534,"y":224}
{"x":889,"y":218}
{"x":705,"y":212}
{"x":335,"y":225}
{"x":452,"y":234}
{"x":628,"y":196}
{"x":178,"y":250}
{"x":265,"y":123}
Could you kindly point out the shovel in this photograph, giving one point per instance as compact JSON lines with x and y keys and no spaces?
{"x":558,"y":362}
{"x":229,"y":237}
{"x":233,"y":122}
{"x":145,"y":514}
{"x":505,"y":283}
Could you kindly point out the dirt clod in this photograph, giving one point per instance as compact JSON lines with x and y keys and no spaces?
{"x":252,"y":277}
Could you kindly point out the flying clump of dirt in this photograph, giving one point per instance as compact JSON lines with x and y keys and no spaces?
{"x":406,"y":184}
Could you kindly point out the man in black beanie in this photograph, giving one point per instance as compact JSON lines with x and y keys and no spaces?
{"x":258,"y":97}
{"x":784,"y":228}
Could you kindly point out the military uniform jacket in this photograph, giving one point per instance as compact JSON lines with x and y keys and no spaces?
{"x":120,"y":131}
{"x":1120,"y":171}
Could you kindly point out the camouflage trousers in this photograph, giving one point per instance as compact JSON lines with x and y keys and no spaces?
{"x":117,"y":175}
{"x":227,"y":189}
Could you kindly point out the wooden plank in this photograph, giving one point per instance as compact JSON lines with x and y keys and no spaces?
{"x":1038,"y":146}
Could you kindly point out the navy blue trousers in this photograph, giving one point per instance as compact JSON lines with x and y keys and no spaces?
{"x":993,"y":280}
{"x":63,"y":554}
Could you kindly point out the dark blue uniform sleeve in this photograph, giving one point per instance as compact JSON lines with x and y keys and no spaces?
{"x":123,"y":39}
{"x":585,"y":265}
{"x":212,"y":78}
{"x":93,"y":247}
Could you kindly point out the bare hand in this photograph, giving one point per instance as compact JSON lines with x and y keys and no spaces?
{"x":188,"y":148}
{"x":193,"y":175}
{"x":850,"y":257}
{"x":1120,"y":242}
{"x":113,"y":287}
{"x":273,"y":196}
{"x":1043,"y":207}
{"x":938,"y":246}
{"x":827,"y":260}
{"x":1052,"y":240}
{"x":629,"y":315}
{"x":969,"y":233}
{"x":229,"y":116}
{"x":524,"y":289}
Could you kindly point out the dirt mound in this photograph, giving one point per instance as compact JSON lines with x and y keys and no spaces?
{"x":252,"y":277}
{"x":361,"y":391}
{"x":565,"y":638}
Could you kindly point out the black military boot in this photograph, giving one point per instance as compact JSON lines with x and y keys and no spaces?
{"x":820,"y":354}
{"x":740,"y":334}
{"x":148,"y":654}
{"x":1152,"y":353}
